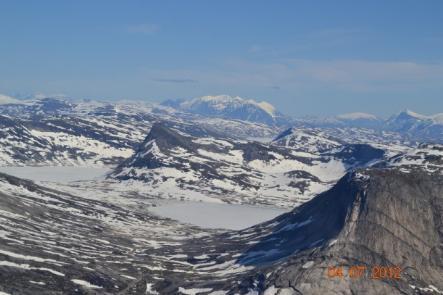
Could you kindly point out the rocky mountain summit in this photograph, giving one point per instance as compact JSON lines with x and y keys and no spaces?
{"x":174,"y":161}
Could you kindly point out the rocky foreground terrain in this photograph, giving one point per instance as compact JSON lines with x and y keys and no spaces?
{"x":53,"y":243}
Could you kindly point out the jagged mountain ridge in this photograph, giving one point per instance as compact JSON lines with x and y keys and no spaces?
{"x":407,"y":124}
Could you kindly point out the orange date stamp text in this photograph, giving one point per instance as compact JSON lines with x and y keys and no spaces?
{"x":376,"y":272}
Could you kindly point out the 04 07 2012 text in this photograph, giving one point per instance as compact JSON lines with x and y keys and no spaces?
{"x":377,"y":272}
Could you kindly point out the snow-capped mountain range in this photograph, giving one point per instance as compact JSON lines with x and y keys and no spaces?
{"x":355,"y":193}
{"x":231,"y":115}
{"x":412,"y":125}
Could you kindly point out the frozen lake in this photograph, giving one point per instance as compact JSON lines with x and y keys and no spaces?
{"x":203,"y":214}
{"x":56,"y":173}
{"x":214,"y":215}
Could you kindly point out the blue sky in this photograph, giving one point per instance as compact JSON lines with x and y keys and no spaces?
{"x":305,"y":57}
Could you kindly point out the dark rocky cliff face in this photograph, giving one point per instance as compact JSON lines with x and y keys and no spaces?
{"x":359,"y":154}
{"x":373,"y":218}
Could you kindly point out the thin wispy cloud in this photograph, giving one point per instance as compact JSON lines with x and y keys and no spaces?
{"x":361,"y":74}
{"x":146,"y":29}
{"x":349,"y":75}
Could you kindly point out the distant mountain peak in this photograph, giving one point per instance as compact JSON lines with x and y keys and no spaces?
{"x":166,"y":138}
{"x":223,"y":101}
{"x":417,"y":126}
{"x":409,"y":117}
{"x":357,"y":116}
{"x":230,"y":107}
{"x":436,"y":118}
{"x":267,"y":107}
{"x":412,"y":114}
{"x":4,"y":99}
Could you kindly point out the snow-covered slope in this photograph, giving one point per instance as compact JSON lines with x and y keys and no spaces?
{"x":66,"y":141}
{"x":307,"y":140}
{"x":53,"y":131}
{"x":52,"y":242}
{"x":427,"y":157}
